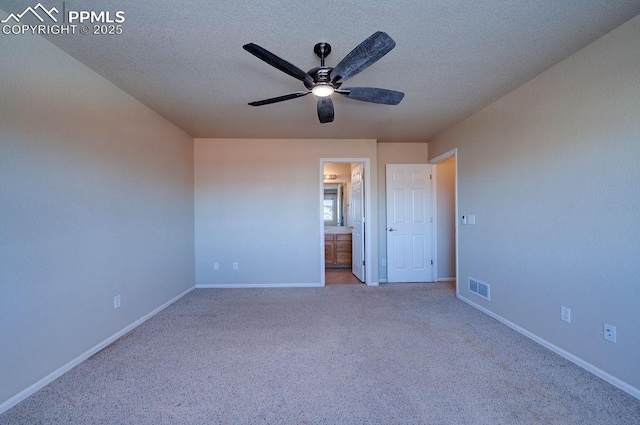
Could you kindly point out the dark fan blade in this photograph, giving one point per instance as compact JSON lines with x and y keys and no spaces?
{"x":280,"y":98}
{"x":277,"y":62}
{"x":372,"y":94}
{"x":360,"y":58}
{"x":325,"y":109}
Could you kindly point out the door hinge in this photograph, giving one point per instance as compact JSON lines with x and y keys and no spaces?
{"x":430,"y":177}
{"x":363,"y":262}
{"x":430,"y":219}
{"x":432,"y":262}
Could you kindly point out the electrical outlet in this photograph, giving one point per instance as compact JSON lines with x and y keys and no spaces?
{"x":235,"y":266}
{"x":216,"y":266}
{"x":472,"y":219}
{"x":116,"y":302}
{"x":565,"y":314}
{"x":610,"y":332}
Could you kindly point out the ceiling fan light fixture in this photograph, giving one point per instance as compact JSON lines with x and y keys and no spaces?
{"x":322,"y":90}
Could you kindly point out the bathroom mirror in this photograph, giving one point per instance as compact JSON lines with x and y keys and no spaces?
{"x":333,"y":211}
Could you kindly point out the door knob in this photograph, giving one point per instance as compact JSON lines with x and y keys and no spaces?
{"x":391,"y":229}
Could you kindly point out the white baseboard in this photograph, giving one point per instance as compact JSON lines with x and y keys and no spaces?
{"x":8,"y":404}
{"x":446,"y":279}
{"x":635,"y":392}
{"x":439,"y":280}
{"x":265,"y":285}
{"x":257,"y":285}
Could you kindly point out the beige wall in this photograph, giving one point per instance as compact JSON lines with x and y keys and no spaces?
{"x":257,"y":203}
{"x":446,"y":216}
{"x":96,"y":199}
{"x":393,"y":153}
{"x":551,"y":172}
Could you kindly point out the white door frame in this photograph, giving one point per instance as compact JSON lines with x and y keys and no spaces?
{"x":368,"y":231}
{"x":450,"y":154}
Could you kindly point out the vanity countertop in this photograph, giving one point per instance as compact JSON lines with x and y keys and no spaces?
{"x":337,"y":230}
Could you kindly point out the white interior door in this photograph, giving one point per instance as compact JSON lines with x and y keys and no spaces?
{"x":357,"y":221}
{"x":409,"y":223}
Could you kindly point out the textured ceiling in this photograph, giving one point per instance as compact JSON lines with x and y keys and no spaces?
{"x":186,"y":62}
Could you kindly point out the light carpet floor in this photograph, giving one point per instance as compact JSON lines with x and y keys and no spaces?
{"x":343,"y":354}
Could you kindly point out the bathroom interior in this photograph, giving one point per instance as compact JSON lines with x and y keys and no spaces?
{"x":337,"y":223}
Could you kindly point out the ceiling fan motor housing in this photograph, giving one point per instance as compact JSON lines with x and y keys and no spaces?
{"x":321,"y":75}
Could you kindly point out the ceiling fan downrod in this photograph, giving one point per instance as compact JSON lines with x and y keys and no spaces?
{"x":322,"y":50}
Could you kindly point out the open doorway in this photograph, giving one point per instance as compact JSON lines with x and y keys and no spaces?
{"x":446,"y":213}
{"x":345,"y":204}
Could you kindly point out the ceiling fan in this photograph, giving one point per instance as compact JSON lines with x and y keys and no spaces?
{"x":323,"y":81}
